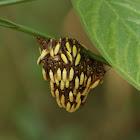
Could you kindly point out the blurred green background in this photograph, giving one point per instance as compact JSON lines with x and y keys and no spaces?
{"x":27,"y":109}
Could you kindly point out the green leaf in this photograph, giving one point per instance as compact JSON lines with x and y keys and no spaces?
{"x":10,"y":2}
{"x":114,"y":28}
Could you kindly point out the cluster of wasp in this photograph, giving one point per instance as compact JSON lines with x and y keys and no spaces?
{"x":70,"y":72}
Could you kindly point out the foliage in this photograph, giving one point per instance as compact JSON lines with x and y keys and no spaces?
{"x":11,"y":2}
{"x":114,"y":28}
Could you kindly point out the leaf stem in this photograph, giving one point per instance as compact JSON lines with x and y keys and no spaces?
{"x":9,"y":24}
{"x":21,"y":28}
{"x":11,"y":2}
{"x":95,"y":56}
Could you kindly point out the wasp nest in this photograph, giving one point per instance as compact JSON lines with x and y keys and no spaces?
{"x":71,"y":73}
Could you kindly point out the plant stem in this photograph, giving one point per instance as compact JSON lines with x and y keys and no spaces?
{"x":9,"y":24}
{"x":21,"y":28}
{"x":11,"y":2}
{"x":96,"y":57}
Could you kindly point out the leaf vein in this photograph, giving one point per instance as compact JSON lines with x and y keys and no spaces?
{"x":128,"y":27}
